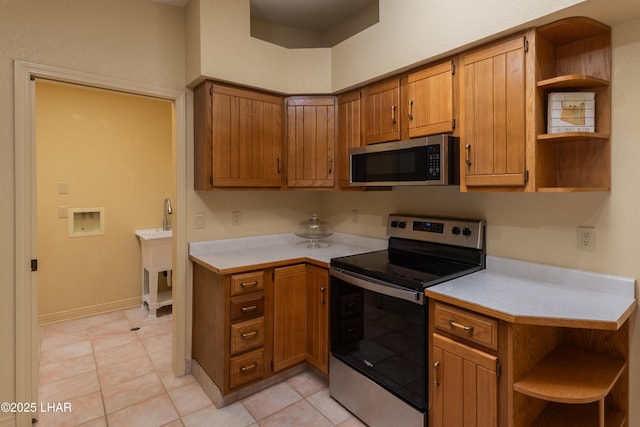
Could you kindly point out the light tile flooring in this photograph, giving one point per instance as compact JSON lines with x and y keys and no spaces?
{"x":112,"y":375}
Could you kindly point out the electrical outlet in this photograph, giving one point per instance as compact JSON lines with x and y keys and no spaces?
{"x":235,"y":218}
{"x":587,"y":238}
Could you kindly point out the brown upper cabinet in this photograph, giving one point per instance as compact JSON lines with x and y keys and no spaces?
{"x":410,"y":105}
{"x":493,"y":109}
{"x":494,"y":97}
{"x":237,"y":138}
{"x":349,"y":132}
{"x":311,"y":141}
{"x":430,"y":100}
{"x":382,"y":111}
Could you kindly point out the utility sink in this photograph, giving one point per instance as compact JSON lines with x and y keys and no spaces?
{"x":154,"y":233}
{"x":156,"y":246}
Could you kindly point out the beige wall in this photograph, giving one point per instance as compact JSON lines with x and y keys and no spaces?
{"x":224,"y":49}
{"x":114,"y":152}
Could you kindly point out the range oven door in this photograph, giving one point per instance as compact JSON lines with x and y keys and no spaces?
{"x":380,"y":332}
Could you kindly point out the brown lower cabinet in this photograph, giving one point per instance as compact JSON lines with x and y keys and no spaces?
{"x":251,"y":324}
{"x":486,"y":371}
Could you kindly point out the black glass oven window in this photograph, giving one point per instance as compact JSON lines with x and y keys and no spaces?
{"x":382,"y":337}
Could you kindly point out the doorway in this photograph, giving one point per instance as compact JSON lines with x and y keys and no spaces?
{"x":26,"y":248}
{"x":104,"y":166}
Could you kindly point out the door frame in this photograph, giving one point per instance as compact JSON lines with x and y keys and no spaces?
{"x":26,"y":302}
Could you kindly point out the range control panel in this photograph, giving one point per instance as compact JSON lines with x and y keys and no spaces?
{"x":449,"y":231}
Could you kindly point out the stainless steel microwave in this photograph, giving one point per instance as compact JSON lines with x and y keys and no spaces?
{"x":431,"y":160}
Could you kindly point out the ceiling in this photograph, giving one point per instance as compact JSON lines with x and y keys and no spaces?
{"x":311,"y":15}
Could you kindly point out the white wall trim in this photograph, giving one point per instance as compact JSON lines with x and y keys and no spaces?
{"x":26,"y":356}
{"x":92,"y":310}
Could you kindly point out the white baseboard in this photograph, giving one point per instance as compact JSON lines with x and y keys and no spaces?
{"x":91,"y":310}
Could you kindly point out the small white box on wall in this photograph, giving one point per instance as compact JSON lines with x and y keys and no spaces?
{"x":571,"y":112}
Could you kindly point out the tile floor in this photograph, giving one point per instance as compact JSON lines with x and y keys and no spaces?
{"x":113,"y":376}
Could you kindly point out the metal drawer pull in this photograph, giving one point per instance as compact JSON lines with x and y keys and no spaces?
{"x":250,"y":308}
{"x":467,"y":148}
{"x":249,"y":284}
{"x":254,"y":365}
{"x":436,"y":365}
{"x":457,"y":325}
{"x":393,"y":114}
{"x":411,"y":110}
{"x":249,"y":334}
{"x":322,"y":290}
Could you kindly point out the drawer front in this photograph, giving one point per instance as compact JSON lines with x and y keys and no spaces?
{"x":246,"y":368}
{"x":247,"y":335}
{"x":247,"y":306}
{"x":247,"y":282}
{"x":468,"y":325}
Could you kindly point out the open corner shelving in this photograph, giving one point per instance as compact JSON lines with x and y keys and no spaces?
{"x":574,"y":54}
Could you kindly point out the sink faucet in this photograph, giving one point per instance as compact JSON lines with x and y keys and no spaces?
{"x":166,"y":222}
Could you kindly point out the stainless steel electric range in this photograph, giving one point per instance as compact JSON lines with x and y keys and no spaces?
{"x":378,"y":332}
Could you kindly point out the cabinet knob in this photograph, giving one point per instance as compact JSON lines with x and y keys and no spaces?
{"x":467,"y":149}
{"x":393,"y":114}
{"x":411,"y":110}
{"x":436,"y":367}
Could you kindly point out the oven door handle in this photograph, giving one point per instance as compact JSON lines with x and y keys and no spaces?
{"x":389,"y":290}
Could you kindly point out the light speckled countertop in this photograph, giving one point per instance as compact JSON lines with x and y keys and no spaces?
{"x":515,"y":291}
{"x":523,"y":292}
{"x":231,"y":255}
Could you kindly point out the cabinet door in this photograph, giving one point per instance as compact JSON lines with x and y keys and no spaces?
{"x":237,"y":137}
{"x":289,"y":316}
{"x":492,"y":115}
{"x":382,"y":111}
{"x":349,"y":133}
{"x":430,"y":100}
{"x":464,"y":386}
{"x":318,"y":318}
{"x":247,"y":138}
{"x":311,"y":140}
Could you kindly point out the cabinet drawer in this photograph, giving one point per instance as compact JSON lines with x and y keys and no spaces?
{"x":247,"y":282}
{"x":247,"y":335}
{"x":246,"y":368}
{"x":465,"y":324}
{"x":247,"y":306}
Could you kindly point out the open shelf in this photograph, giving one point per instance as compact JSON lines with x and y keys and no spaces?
{"x":573,"y":55}
{"x":571,"y":375}
{"x":572,"y":81}
{"x":556,"y":414}
{"x":575,"y":382}
{"x":572,"y":136}
{"x":572,"y":189}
